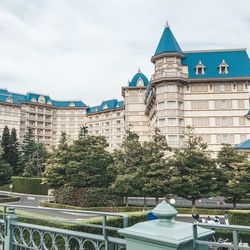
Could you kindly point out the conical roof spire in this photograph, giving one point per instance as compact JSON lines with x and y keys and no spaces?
{"x":168,"y":43}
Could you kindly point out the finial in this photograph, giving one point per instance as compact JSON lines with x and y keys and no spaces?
{"x":166,"y":25}
{"x":139,"y":69}
{"x":165,"y":212}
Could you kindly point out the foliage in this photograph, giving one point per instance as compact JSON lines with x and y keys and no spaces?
{"x":5,"y":170}
{"x":239,"y":217}
{"x":83,"y":131}
{"x":29,"y":185}
{"x":15,"y":160}
{"x":9,"y":199}
{"x":34,"y":155}
{"x":5,"y":143}
{"x":128,"y":166}
{"x":193,"y":170}
{"x":234,"y":177}
{"x":87,"y":197}
{"x":82,"y":164}
{"x":55,"y":171}
{"x":155,"y":167}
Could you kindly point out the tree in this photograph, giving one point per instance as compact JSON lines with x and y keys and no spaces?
{"x":193,"y":170}
{"x":15,"y":160}
{"x":234,"y":173}
{"x":156,"y":169}
{"x":55,"y":168}
{"x":128,"y":167}
{"x":34,"y":155}
{"x":238,"y":186}
{"x":5,"y":170}
{"x":82,"y":165}
{"x":5,"y":143}
{"x":83,"y":131}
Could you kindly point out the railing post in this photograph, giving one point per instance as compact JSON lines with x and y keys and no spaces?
{"x":195,"y":237}
{"x":9,"y":219}
{"x":104,"y":232}
{"x":235,"y":240}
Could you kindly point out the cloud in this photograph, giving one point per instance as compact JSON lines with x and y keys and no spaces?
{"x":89,"y":49}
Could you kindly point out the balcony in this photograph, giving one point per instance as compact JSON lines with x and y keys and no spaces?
{"x":168,"y":75}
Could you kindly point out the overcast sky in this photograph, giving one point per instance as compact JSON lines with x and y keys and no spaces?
{"x":88,"y":49}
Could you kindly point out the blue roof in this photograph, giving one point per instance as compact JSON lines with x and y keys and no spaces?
{"x":137,"y":77}
{"x":168,"y":43}
{"x":106,"y":105}
{"x":244,"y":145}
{"x":5,"y":99}
{"x":18,"y":98}
{"x":63,"y":104}
{"x":237,"y":60}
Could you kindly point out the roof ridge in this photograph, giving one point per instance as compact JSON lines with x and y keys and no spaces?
{"x":214,"y":50}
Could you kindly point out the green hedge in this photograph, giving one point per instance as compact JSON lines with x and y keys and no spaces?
{"x":29,"y":185}
{"x":239,"y":217}
{"x":4,"y":199}
{"x":201,"y":211}
{"x":87,"y":197}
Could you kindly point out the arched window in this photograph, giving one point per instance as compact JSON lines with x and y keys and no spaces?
{"x":223,"y":67}
{"x":72,"y":104}
{"x":200,"y":68}
{"x":140,"y":83}
{"x":33,"y":99}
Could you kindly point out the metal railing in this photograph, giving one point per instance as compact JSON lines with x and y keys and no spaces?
{"x":20,"y":232}
{"x":234,"y":245}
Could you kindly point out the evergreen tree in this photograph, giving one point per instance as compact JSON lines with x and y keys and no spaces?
{"x":15,"y":160}
{"x":128,"y":167}
{"x":5,"y":170}
{"x":238,"y":185}
{"x":233,"y":165}
{"x":83,"y":131}
{"x":55,"y":168}
{"x":156,"y":168}
{"x":193,"y":170}
{"x":5,"y":143}
{"x":34,"y":155}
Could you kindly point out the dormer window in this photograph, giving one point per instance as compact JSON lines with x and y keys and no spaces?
{"x":200,"y":68}
{"x":223,"y":67}
{"x":33,"y":99}
{"x":72,"y":104}
{"x":41,"y":99}
{"x":140,"y":83}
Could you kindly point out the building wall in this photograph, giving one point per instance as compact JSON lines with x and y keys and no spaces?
{"x":109,"y":123}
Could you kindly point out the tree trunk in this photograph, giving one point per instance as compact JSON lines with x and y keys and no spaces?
{"x":193,"y":203}
{"x":234,"y":203}
{"x":126,"y":201}
{"x":156,"y":201}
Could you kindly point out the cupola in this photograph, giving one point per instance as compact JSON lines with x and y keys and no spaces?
{"x":139,"y":80}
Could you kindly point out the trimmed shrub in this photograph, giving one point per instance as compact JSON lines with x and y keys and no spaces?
{"x":87,"y":197}
{"x":29,"y":185}
{"x":4,"y":199}
{"x":239,"y":217}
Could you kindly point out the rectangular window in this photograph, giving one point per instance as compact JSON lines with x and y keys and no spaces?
{"x":200,"y":121}
{"x":198,"y":88}
{"x":194,"y":122}
{"x":180,"y":105}
{"x":222,"y":87}
{"x":193,"y":88}
{"x":118,"y":121}
{"x":205,"y":88}
{"x":206,"y":105}
{"x":242,"y":138}
{"x":171,"y":88}
{"x":230,"y":121}
{"x":240,"y":87}
{"x":172,"y":138}
{"x":229,"y":104}
{"x":161,"y":105}
{"x":223,"y":104}
{"x":217,"y":121}
{"x":199,"y":104}
{"x":162,"y":122}
{"x":228,"y":87}
{"x":193,"y":104}
{"x":171,"y":105}
{"x":171,"y":121}
{"x":216,"y":104}
{"x":240,"y":104}
{"x":241,"y":121}
{"x":216,"y":88}
{"x":181,"y":122}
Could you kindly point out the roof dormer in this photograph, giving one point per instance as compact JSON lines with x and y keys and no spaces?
{"x":41,"y":99}
{"x":223,"y":67}
{"x":200,"y":68}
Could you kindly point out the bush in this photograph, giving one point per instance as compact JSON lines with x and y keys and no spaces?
{"x":29,"y":185}
{"x":239,"y":217}
{"x":87,"y":197}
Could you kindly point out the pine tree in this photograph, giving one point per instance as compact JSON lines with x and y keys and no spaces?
{"x":5,"y":143}
{"x":55,"y":167}
{"x":15,"y":155}
{"x":83,"y":131}
{"x":156,"y":168}
{"x":128,"y":167}
{"x":193,"y":174}
{"x":5,"y":170}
